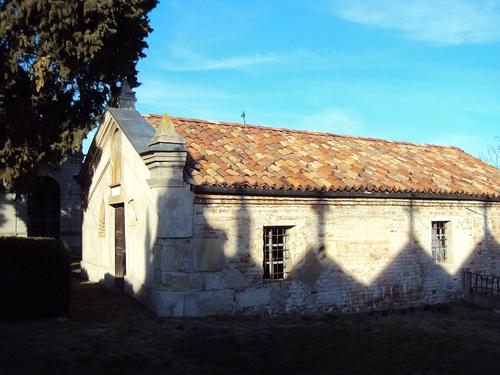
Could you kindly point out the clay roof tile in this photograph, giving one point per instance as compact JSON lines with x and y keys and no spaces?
{"x":230,"y":154}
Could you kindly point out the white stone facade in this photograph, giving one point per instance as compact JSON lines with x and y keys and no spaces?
{"x":98,"y":256}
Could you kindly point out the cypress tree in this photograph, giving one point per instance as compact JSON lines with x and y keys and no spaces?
{"x":61,"y":62}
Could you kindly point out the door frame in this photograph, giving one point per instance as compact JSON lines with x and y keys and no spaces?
{"x":120,"y":245}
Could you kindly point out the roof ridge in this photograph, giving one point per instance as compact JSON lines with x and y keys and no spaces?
{"x":300,"y":131}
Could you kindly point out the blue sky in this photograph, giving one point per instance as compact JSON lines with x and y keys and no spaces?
{"x":419,"y":71}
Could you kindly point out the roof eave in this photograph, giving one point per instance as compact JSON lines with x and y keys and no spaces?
{"x":223,"y":190}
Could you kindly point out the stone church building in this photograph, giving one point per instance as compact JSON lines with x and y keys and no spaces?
{"x":196,"y":217}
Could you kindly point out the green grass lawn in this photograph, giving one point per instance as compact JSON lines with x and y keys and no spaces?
{"x":109,"y":333}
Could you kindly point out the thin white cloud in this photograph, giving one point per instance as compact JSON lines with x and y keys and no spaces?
{"x":183,"y":58}
{"x":445,"y":22}
{"x":333,"y":120}
{"x":235,"y":62}
{"x":186,"y":60}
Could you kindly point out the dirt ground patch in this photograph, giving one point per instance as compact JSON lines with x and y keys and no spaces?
{"x":107,"y":332}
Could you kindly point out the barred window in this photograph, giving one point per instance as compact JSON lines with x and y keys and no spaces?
{"x":276,"y":252}
{"x":439,"y":241}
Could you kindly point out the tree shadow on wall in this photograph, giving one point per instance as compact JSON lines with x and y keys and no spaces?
{"x":487,"y":247}
{"x":220,"y":268}
{"x":320,"y":283}
{"x":13,"y":208}
{"x":225,"y":273}
{"x":36,"y":213}
{"x":413,"y":277}
{"x":87,"y":174}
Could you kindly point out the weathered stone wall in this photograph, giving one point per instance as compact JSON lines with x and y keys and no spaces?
{"x":14,"y":214}
{"x":346,"y":255}
{"x":71,"y":214}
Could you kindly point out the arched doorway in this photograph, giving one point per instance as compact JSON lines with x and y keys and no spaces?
{"x":44,"y":202}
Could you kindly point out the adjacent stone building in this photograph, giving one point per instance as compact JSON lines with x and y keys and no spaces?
{"x":50,"y":209}
{"x":195,"y":217}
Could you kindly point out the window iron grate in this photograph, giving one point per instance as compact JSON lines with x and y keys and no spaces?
{"x":439,"y":241}
{"x":276,"y":252}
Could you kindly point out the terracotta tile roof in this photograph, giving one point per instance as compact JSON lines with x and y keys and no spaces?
{"x":236,"y":155}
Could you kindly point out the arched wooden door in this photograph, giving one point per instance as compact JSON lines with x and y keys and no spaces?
{"x":44,"y":208}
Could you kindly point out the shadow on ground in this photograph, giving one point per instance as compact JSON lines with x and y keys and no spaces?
{"x":108,"y":332}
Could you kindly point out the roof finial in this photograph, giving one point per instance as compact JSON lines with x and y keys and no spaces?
{"x":165,"y":133}
{"x":126,"y":99}
{"x":243,"y":116}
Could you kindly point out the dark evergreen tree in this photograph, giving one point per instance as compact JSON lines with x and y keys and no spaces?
{"x":61,"y":62}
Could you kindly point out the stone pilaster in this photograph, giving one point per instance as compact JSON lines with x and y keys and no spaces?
{"x":165,"y":159}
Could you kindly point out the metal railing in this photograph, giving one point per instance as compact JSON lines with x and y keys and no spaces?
{"x":487,"y":285}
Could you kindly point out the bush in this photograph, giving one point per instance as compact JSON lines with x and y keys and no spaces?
{"x":35,"y":276}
